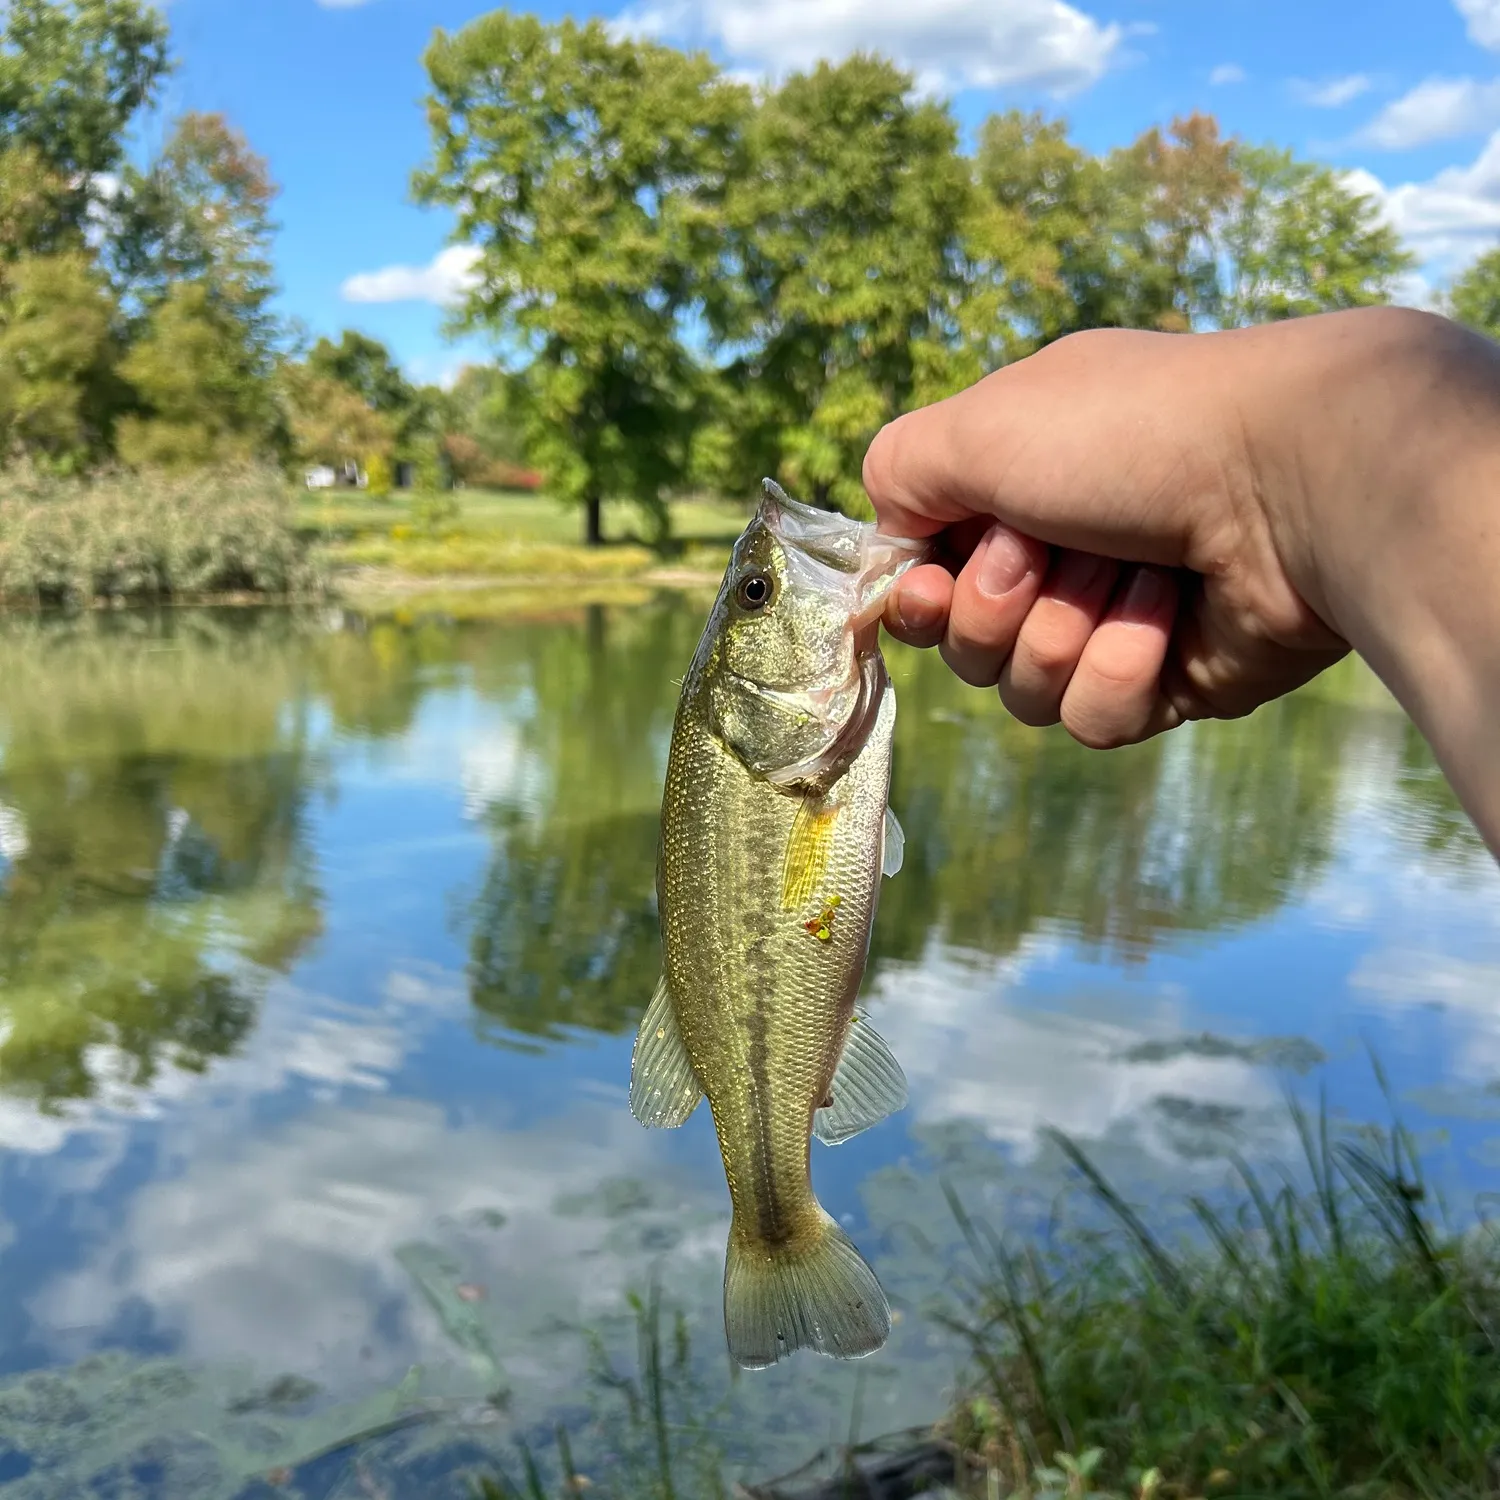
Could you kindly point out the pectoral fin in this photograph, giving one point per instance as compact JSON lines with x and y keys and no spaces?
{"x":807,"y":851}
{"x":893,"y":851}
{"x":664,"y":1089}
{"x":868,"y":1086}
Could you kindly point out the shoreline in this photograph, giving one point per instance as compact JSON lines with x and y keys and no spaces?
{"x":355,"y":586}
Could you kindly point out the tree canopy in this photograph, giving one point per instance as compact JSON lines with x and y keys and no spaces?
{"x":692,"y":284}
{"x":688,"y":282}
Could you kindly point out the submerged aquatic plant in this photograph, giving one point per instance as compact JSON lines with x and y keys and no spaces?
{"x":1324,"y":1338}
{"x":651,"y":1426}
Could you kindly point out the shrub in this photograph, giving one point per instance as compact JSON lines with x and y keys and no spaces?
{"x":140,"y":538}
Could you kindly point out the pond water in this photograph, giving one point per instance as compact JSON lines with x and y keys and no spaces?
{"x":322,"y":942}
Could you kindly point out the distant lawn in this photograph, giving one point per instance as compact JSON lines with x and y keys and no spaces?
{"x":515,"y":517}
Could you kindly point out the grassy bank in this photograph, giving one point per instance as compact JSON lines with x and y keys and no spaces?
{"x":1322,"y":1334}
{"x":385,"y":545}
{"x":124,"y":539}
{"x":1331,"y":1341}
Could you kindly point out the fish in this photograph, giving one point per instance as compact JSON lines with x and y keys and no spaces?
{"x":775,"y":832}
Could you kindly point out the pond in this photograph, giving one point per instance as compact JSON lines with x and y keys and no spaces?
{"x":322,"y":943}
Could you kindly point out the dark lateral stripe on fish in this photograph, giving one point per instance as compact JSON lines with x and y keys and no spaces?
{"x":770,"y":1221}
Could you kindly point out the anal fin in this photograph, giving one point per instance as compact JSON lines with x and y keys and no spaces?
{"x":664,"y":1089}
{"x":867,"y":1087}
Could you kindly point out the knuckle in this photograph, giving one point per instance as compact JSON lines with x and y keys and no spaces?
{"x":975,"y":667}
{"x":1096,"y":731}
{"x":1048,"y":652}
{"x":1031,"y":709}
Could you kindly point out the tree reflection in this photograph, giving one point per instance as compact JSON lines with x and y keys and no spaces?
{"x":154,"y":779}
{"x":564,"y":930}
{"x":1009,"y":831}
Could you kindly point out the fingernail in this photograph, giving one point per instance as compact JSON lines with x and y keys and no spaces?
{"x":917,"y":612}
{"x":1143,"y":599}
{"x":1005,"y":563}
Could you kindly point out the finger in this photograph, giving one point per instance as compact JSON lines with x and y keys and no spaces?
{"x":1114,"y":697}
{"x":917,"y":610}
{"x":991,"y":596}
{"x":1053,"y":637}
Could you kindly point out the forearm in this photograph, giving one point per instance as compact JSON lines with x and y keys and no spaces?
{"x":1391,"y":517}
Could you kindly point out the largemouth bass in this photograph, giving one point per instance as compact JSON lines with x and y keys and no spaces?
{"x":775,"y":831}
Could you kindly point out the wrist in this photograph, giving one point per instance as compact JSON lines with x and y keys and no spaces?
{"x":1378,"y":459}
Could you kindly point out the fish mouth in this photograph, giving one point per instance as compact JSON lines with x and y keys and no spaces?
{"x":867,"y":563}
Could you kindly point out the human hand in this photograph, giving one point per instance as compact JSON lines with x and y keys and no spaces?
{"x":1110,"y":558}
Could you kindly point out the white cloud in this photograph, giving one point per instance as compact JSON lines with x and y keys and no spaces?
{"x":1449,"y":218}
{"x":446,"y":279}
{"x":1435,"y":110}
{"x":1483,"y":17}
{"x":974,"y":1050}
{"x":948,"y":44}
{"x":1227,"y":73}
{"x":1332,"y":93}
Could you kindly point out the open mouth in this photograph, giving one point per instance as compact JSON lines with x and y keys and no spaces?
{"x":845,"y":555}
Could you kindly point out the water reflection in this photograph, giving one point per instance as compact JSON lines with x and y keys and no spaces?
{"x":264,"y":879}
{"x":155,"y":781}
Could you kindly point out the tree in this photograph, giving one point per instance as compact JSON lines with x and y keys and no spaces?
{"x":206,"y":400}
{"x":1172,"y":190}
{"x":73,"y":73}
{"x":58,"y":347}
{"x":201,"y":213}
{"x":1039,"y":244}
{"x":333,"y":424}
{"x":1474,"y":298}
{"x":364,"y":366}
{"x":1298,"y":240}
{"x":845,"y":227}
{"x":195,"y":249}
{"x":35,"y":207}
{"x":482,"y":431}
{"x":588,"y":172}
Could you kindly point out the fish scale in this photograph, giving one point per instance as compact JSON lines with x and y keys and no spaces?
{"x":774,"y":818}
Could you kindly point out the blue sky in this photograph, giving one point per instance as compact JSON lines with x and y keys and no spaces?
{"x":1403,"y":93}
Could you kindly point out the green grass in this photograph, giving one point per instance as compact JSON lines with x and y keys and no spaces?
{"x":1334,"y":1341}
{"x":1321,"y":1335}
{"x":511,"y":536}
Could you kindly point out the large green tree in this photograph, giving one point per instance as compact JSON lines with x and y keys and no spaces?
{"x":201,"y":212}
{"x":589,"y":173}
{"x":1039,"y":252}
{"x":1300,"y":240}
{"x":1182,"y":229}
{"x":206,"y":399}
{"x":845,"y":228}
{"x":1474,"y":297}
{"x":195,"y":251}
{"x":59,"y":342}
{"x":73,"y":74}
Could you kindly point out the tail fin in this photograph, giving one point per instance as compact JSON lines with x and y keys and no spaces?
{"x":823,"y":1297}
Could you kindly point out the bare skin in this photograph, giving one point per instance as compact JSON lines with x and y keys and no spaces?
{"x":1138,"y":529}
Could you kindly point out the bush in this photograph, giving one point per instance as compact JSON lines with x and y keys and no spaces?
{"x":143,"y":539}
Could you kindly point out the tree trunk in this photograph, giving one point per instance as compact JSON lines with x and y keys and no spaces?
{"x":593,"y":520}
{"x":820,"y":495}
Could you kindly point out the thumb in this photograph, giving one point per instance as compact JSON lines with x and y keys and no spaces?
{"x":1103,"y":442}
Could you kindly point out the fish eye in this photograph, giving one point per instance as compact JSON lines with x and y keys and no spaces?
{"x":754,"y":592}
